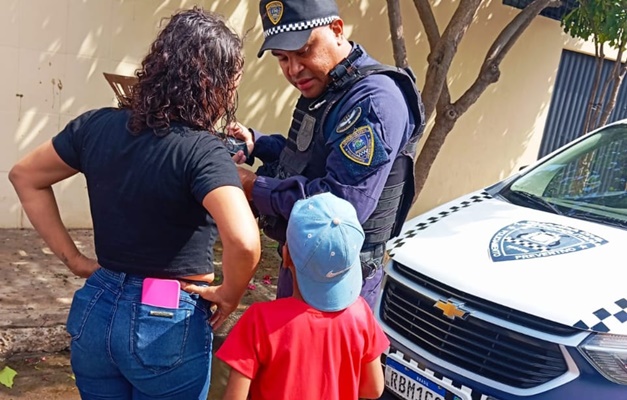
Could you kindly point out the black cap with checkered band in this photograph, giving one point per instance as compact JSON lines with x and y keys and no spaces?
{"x":287,"y":24}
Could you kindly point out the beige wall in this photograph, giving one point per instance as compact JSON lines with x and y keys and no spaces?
{"x":54,"y":54}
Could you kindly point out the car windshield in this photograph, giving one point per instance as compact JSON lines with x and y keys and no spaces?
{"x":587,"y":180}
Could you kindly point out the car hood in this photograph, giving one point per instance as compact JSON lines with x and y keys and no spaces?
{"x":558,"y":268}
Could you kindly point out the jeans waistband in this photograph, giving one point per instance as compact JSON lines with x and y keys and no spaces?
{"x":134,"y":279}
{"x":120,"y":277}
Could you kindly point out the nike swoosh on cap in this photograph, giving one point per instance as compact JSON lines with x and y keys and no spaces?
{"x":332,"y":274}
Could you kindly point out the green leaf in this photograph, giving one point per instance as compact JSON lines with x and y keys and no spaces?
{"x":6,"y":377}
{"x":602,"y":21}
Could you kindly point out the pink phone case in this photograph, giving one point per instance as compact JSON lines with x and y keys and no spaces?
{"x":161,"y":292}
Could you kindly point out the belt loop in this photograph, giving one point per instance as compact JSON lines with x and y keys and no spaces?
{"x":122,"y":276}
{"x":118,"y":277}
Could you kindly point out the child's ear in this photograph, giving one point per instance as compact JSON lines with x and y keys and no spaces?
{"x":287,"y":259}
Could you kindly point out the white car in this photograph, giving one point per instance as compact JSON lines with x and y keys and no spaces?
{"x":517,"y":291}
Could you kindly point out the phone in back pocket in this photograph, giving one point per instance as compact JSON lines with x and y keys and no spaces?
{"x":161,"y":292}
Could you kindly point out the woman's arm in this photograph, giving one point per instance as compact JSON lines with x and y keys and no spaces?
{"x":371,"y":383}
{"x":237,"y":387}
{"x":33,"y":177}
{"x":241,"y":245}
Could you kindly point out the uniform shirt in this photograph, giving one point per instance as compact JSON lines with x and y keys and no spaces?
{"x":375,"y":105}
{"x":146,"y":192}
{"x":290,"y":350}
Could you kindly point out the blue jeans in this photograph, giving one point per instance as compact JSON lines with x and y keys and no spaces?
{"x":120,"y":350}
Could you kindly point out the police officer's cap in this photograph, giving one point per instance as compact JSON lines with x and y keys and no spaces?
{"x":287,"y":24}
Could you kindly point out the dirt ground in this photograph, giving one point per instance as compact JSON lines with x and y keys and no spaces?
{"x":48,"y":376}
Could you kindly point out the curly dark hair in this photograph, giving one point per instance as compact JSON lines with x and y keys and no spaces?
{"x":190,"y":75}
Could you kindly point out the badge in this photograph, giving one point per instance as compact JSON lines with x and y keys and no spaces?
{"x":305,"y":133}
{"x":359,"y":145}
{"x":274,"y":9}
{"x":349,"y":120}
{"x":526,"y":240}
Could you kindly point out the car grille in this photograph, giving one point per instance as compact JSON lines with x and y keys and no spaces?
{"x":486,"y":349}
{"x":488,"y":307}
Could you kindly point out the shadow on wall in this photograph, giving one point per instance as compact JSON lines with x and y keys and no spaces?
{"x":57,"y":53}
{"x":502,"y":131}
{"x":59,"y":50}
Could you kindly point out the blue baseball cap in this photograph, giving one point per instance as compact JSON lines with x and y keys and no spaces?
{"x":324,"y":238}
{"x":287,"y":24}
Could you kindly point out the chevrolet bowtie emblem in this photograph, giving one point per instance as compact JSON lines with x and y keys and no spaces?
{"x":451,"y":310}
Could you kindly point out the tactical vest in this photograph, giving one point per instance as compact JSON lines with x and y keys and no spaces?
{"x":305,"y":152}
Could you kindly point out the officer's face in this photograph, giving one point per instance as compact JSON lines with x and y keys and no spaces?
{"x":308,"y":67}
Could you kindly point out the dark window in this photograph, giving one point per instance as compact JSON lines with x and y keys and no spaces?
{"x":555,"y":13}
{"x":570,"y":100}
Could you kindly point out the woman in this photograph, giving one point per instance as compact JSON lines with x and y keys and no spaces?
{"x":157,"y":181}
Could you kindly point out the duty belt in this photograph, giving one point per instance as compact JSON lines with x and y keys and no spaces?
{"x":371,"y":260}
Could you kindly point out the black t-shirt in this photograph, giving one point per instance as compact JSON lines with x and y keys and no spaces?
{"x":146,"y":192}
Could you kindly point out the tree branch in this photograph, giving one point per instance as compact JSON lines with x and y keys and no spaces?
{"x":490,"y":72}
{"x":442,"y":54}
{"x":439,"y":63}
{"x":510,"y":34}
{"x":396,"y":30}
{"x":428,"y":22}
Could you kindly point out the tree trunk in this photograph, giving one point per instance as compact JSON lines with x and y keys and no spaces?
{"x":436,"y":92}
{"x":611,"y":103}
{"x":599,"y":54}
{"x":443,"y":125}
{"x":595,"y":120}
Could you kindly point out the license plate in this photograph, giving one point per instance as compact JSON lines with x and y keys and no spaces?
{"x":409,"y":384}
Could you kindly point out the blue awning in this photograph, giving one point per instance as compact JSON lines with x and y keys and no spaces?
{"x":555,"y":13}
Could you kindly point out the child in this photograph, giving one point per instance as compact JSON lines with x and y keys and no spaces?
{"x":323,"y":342}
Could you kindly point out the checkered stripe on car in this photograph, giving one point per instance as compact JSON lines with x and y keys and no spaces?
{"x":300,"y":26}
{"x":606,"y":319}
{"x":525,"y":243}
{"x":437,"y":377}
{"x":413,"y":231}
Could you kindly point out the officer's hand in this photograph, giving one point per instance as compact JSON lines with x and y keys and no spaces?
{"x":239,"y":131}
{"x":239,"y":157}
{"x":248,"y":179}
{"x":223,"y":305}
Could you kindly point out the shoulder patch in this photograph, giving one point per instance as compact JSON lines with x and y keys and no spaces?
{"x":359,"y":145}
{"x":349,"y":120}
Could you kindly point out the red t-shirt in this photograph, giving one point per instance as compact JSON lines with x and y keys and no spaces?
{"x":292,"y":351}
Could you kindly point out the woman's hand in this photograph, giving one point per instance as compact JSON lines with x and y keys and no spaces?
{"x":82,"y":266}
{"x":248,"y":178}
{"x":224,"y":304}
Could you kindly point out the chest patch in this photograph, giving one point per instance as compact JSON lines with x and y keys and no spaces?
{"x":349,"y":120}
{"x":359,"y":145}
{"x":305,"y":132}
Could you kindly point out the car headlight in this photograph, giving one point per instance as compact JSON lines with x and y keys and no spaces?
{"x":608,"y":354}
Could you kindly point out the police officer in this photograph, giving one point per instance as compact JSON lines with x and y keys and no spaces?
{"x":353,"y":132}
